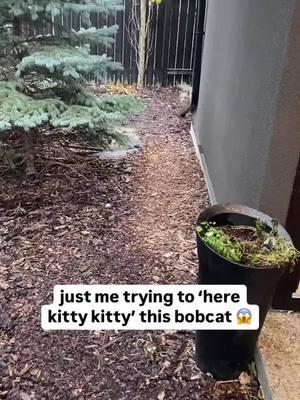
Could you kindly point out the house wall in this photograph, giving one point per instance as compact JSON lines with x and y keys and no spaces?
{"x":247,"y":120}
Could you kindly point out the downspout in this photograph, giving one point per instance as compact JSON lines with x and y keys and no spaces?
{"x":199,"y":39}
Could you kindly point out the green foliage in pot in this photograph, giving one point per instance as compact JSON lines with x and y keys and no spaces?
{"x":257,"y":246}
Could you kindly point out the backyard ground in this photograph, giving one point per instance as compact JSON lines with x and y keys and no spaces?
{"x":279,"y":347}
{"x":120,"y":221}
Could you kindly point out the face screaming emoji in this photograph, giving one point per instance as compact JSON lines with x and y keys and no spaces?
{"x":244,"y":316}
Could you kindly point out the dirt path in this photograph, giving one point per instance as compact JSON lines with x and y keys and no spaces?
{"x":127,"y":221}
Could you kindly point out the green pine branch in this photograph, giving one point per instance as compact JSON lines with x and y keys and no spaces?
{"x":52,"y":71}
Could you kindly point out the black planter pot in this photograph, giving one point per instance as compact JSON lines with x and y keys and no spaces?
{"x":225,"y":354}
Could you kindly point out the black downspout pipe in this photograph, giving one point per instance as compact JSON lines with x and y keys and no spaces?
{"x":199,"y":38}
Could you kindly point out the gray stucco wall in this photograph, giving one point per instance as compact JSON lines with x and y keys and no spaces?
{"x":239,"y":122}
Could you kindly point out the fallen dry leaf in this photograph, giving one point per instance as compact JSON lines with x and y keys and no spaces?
{"x":161,"y":395}
{"x":76,"y":392}
{"x":25,"y":396}
{"x":244,"y":379}
{"x":24,"y":370}
{"x":19,"y":262}
{"x":4,"y":285}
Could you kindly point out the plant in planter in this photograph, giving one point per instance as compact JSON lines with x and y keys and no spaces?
{"x":239,"y":245}
{"x":253,"y":246}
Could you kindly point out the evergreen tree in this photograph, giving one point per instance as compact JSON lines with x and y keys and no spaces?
{"x":52,"y":70}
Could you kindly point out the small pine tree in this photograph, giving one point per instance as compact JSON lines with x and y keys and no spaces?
{"x":52,"y":71}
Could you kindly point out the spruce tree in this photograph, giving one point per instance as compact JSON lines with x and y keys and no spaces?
{"x":52,"y":71}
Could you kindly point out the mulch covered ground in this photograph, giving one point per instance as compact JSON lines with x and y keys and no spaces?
{"x":124,"y":221}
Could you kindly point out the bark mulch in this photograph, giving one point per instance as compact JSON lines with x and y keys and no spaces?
{"x":124,"y":221}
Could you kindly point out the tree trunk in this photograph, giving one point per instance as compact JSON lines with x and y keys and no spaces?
{"x":17,"y":26}
{"x":29,"y":154}
{"x":142,"y":44}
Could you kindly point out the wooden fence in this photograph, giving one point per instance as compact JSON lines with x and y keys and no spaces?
{"x":173,"y":27}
